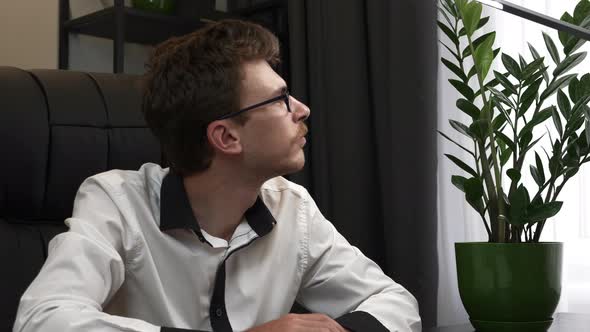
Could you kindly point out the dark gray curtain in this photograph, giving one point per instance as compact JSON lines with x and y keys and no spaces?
{"x":367,"y":69}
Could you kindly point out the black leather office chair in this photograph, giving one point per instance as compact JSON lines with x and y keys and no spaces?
{"x":56,"y":129}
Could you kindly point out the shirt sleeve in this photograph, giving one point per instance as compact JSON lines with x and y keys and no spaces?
{"x":84,"y":269}
{"x":340,"y":281}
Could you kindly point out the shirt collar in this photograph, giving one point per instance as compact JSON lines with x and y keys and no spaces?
{"x":176,"y":212}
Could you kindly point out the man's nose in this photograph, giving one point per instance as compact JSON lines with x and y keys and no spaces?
{"x":300,"y":110}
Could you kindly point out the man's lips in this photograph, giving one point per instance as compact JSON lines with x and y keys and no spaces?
{"x":303,"y":141}
{"x":302,"y":132}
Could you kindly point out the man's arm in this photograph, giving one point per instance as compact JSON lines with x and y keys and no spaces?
{"x":341,"y":282}
{"x":84,"y":269}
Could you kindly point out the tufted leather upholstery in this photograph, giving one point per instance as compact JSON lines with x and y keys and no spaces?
{"x":56,"y":129}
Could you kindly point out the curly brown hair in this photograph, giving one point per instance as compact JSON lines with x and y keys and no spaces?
{"x":194,"y":79}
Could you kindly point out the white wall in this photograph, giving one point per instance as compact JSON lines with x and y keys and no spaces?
{"x":28,"y":33}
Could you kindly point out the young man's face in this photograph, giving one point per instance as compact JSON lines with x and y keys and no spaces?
{"x":272,"y":138}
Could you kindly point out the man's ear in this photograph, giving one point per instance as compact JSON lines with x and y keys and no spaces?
{"x":224,"y":137}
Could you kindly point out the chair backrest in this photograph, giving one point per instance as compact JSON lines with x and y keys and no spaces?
{"x":56,"y":129}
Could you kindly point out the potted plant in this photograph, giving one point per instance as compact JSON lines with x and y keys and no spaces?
{"x":513,"y":281}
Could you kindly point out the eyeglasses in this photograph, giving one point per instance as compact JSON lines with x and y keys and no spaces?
{"x":284,"y":96}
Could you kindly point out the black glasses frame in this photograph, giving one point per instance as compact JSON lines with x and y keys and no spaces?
{"x":284,"y":96}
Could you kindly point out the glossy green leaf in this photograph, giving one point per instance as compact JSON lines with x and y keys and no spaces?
{"x":578,"y":108}
{"x":557,"y":121}
{"x":583,"y":141}
{"x":582,"y":11}
{"x":571,"y":172}
{"x":506,"y":141}
{"x":544,"y":211}
{"x":486,"y":113}
{"x":513,"y":174}
{"x":498,"y":122}
{"x":511,"y":65}
{"x":551,"y":48}
{"x":505,"y":157}
{"x":448,"y":32}
{"x":455,"y":69}
{"x":575,"y":43}
{"x":460,"y":5}
{"x":572,"y":89}
{"x":536,"y":56}
{"x":444,"y":14}
{"x":501,"y":97}
{"x":565,"y":37}
{"x":464,"y":89}
{"x":526,"y":104}
{"x":471,"y":14}
{"x":531,"y":91}
{"x":564,"y":104}
{"x":505,"y":82}
{"x":472,"y":72}
{"x":478,"y":41}
{"x":473,"y":190}
{"x":492,"y":83}
{"x":519,"y":201}
{"x":457,"y":144}
{"x":558,"y":84}
{"x":522,"y":61}
{"x":451,"y":51}
{"x":583,"y":87}
{"x":530,"y":146}
{"x":534,"y":52}
{"x":532,"y":78}
{"x":461,"y":128}
{"x":468,"y":108}
{"x":540,"y":168}
{"x":537,"y":119}
{"x":502,"y":111}
{"x":525,"y":139}
{"x":568,"y":63}
{"x":572,"y":147}
{"x":480,"y":129}
{"x":461,"y":165}
{"x":484,"y":55}
{"x":459,"y":182}
{"x":532,"y":67}
{"x":535,"y":175}
{"x":482,"y":22}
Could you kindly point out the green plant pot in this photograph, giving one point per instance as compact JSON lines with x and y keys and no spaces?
{"x":160,"y":6}
{"x":509,"y":287}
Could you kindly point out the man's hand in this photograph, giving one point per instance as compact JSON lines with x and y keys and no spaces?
{"x":300,"y":323}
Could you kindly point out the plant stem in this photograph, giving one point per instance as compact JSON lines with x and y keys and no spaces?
{"x":496,"y":199}
{"x":516,"y":158}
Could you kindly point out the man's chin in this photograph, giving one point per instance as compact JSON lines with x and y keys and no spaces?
{"x":294,"y":167}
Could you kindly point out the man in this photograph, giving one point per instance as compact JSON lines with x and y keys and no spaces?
{"x":219,"y":241}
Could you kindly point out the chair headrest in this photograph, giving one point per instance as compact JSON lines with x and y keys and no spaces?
{"x":59,"y":127}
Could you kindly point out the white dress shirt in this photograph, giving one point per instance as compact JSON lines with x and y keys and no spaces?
{"x":135,"y":259}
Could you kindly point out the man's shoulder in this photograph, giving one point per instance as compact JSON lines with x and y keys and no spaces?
{"x":148,"y":177}
{"x":280,"y":184}
{"x":279,"y":191}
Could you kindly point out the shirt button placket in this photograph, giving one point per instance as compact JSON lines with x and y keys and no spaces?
{"x":219,"y":320}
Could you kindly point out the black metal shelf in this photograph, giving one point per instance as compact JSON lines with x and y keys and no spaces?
{"x":141,"y":27}
{"x":124,"y":24}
